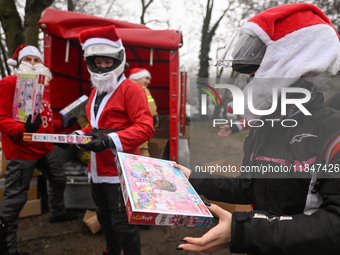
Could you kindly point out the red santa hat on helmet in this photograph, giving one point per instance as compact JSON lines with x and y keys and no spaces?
{"x":137,"y":73}
{"x":106,"y":35}
{"x":23,"y":51}
{"x":301,"y":42}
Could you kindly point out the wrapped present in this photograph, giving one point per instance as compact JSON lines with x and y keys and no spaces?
{"x":156,"y":193}
{"x":29,"y":92}
{"x":73,"y":110}
{"x":56,"y":138}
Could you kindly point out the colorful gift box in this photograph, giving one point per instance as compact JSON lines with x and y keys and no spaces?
{"x":29,"y":92}
{"x":56,"y":138}
{"x":73,"y":110}
{"x":156,"y":193}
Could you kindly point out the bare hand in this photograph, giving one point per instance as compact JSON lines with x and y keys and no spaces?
{"x":186,"y":171}
{"x":225,"y":131}
{"x":217,"y":238}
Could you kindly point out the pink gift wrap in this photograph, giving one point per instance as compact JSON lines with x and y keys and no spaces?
{"x":155,"y":193}
{"x":28,"y":96}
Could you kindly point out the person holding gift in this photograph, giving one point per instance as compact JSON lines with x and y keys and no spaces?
{"x":23,"y":157}
{"x":289,"y":173}
{"x":120,"y":120}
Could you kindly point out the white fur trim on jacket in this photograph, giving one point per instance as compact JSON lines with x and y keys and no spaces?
{"x":116,"y":140}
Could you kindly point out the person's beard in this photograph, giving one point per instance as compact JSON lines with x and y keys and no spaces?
{"x":107,"y":85}
{"x":26,"y":68}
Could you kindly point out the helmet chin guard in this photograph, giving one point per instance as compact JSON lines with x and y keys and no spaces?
{"x":102,"y":76}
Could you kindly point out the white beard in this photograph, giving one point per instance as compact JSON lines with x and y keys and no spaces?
{"x":26,"y":68}
{"x":104,"y":85}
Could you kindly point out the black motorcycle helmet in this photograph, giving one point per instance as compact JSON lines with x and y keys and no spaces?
{"x":244,"y":53}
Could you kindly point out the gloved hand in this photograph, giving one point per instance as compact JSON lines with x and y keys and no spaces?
{"x":99,"y":143}
{"x":32,"y":127}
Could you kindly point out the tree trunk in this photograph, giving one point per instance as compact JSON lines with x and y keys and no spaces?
{"x":11,"y":23}
{"x":203,"y":71}
{"x":206,"y":39}
{"x":33,"y":10}
{"x":70,"y":5}
{"x":144,"y":7}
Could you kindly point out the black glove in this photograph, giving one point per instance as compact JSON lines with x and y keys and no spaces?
{"x":32,"y":127}
{"x":99,"y":143}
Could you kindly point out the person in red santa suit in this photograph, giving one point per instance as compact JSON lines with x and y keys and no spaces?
{"x":289,"y":174}
{"x":120,"y":120}
{"x":23,"y":157}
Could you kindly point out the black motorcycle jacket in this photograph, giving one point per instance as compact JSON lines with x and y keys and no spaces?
{"x":295,"y":195}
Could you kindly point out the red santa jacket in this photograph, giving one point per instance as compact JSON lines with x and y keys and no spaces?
{"x":126,"y":109}
{"x":11,"y":131}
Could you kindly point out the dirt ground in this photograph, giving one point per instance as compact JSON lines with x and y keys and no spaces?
{"x":37,"y":236}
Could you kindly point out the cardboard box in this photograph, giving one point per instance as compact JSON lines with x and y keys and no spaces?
{"x":229,"y":169}
{"x":28,"y":96}
{"x":73,"y":110}
{"x":3,"y":165}
{"x":158,"y":142}
{"x":56,"y":138}
{"x":156,"y":147}
{"x":91,"y":220}
{"x":31,"y":208}
{"x":32,"y":193}
{"x":155,"y":193}
{"x":33,"y":205}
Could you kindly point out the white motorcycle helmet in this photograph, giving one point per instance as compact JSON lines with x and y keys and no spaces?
{"x":105,"y":50}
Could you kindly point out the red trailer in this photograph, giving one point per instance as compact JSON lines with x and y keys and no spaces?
{"x":156,"y":50}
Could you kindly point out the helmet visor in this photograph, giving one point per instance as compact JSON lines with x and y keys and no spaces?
{"x":244,"y":48}
{"x":117,"y":58}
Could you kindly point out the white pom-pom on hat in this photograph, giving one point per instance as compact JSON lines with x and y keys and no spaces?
{"x":12,"y":62}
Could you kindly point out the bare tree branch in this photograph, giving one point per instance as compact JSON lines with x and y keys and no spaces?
{"x":33,"y":10}
{"x":144,"y":7}
{"x":109,"y":9}
{"x":70,"y":6}
{"x":156,"y":21}
{"x":11,"y":23}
